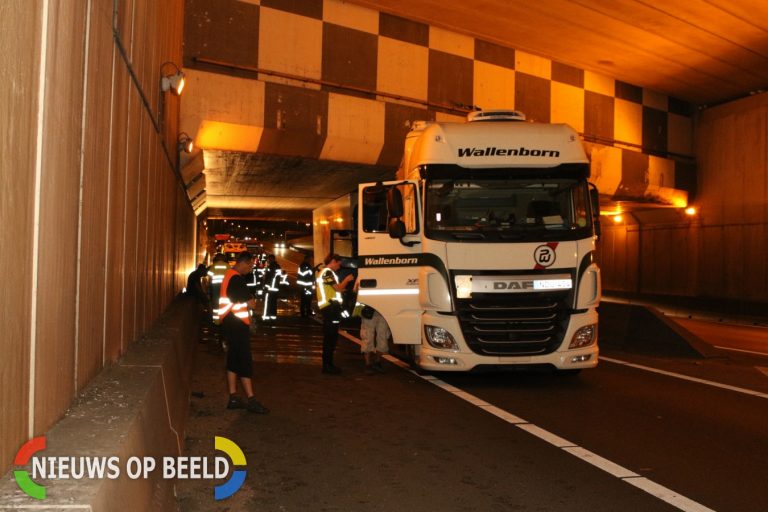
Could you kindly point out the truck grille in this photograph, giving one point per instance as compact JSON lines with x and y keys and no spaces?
{"x":513,"y":324}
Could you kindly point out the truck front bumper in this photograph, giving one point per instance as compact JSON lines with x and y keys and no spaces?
{"x":463,"y":359}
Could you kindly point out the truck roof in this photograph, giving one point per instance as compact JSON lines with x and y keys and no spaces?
{"x":493,"y":145}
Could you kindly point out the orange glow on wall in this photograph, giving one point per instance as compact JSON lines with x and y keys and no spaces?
{"x":228,"y":136}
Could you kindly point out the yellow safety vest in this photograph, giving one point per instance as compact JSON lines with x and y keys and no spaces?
{"x":325,"y":290}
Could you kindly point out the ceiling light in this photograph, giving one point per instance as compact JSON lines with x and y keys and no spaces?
{"x":617,"y":218}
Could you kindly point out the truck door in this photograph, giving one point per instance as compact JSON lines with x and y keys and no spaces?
{"x":389,"y":249}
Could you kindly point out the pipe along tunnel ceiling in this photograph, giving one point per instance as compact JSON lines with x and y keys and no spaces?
{"x":294,"y":103}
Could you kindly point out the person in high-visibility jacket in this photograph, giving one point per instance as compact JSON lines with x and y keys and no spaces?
{"x":236,"y":300}
{"x":329,"y":300}
{"x":307,"y":285}
{"x":273,"y":279}
{"x":216,"y":273}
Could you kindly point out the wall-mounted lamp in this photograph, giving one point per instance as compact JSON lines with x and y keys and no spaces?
{"x":617,"y":218}
{"x":690,"y":211}
{"x":186,"y":143}
{"x":171,"y":82}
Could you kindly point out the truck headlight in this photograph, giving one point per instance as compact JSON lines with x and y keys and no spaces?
{"x":585,"y":336}
{"x":440,"y":338}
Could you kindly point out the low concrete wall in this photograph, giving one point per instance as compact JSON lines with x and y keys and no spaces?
{"x":136,"y":408}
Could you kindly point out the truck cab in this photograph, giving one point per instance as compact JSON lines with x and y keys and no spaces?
{"x":482,"y":255}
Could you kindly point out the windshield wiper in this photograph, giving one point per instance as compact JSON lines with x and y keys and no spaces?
{"x":513,"y":235}
{"x":470,"y":235}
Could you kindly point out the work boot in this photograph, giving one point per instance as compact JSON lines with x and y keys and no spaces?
{"x":235,"y":402}
{"x":331,"y":370}
{"x":377,"y":367}
{"x":256,"y":407}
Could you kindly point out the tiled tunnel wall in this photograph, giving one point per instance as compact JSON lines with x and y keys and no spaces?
{"x":343,"y":82}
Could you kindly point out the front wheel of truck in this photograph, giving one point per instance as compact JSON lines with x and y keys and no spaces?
{"x":411,"y":359}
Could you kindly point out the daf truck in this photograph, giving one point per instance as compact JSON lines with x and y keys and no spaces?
{"x":481,"y":255}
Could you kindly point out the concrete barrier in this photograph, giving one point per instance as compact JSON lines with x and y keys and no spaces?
{"x":136,"y":408}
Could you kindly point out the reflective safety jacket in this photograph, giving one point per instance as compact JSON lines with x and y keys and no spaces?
{"x":217,"y":273}
{"x":252,"y":279}
{"x":326,"y":279}
{"x":259,"y":276}
{"x":271,"y":277}
{"x":226,"y":306}
{"x":304,"y":278}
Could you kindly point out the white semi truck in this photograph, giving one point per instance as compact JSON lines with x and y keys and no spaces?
{"x":482,"y":255}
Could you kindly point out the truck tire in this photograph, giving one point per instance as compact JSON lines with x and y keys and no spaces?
{"x":410,"y":351}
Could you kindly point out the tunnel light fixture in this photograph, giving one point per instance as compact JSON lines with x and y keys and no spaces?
{"x":173,"y":81}
{"x":186,"y":143}
{"x":691,"y":211}
{"x":617,"y":218}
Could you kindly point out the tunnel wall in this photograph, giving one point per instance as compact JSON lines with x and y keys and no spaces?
{"x":732,"y":145}
{"x":720,"y":253}
{"x":98,"y":234}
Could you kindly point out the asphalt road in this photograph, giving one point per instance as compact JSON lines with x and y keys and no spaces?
{"x":738,"y":338}
{"x":611,"y":439}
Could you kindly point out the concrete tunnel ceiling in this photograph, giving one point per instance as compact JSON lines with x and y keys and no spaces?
{"x":279,"y":163}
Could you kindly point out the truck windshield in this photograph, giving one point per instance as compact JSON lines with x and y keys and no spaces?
{"x":507,"y":209}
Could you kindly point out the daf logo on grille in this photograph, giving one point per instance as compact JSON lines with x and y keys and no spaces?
{"x":513,"y":285}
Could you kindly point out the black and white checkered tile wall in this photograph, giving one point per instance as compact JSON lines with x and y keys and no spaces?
{"x":342,"y":82}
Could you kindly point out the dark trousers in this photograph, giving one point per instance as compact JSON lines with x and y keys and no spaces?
{"x":331,"y":315}
{"x":306,"y":302}
{"x":238,"y":335}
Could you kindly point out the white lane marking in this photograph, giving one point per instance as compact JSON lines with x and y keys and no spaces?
{"x":742,"y":350}
{"x":600,"y":462}
{"x":745,"y":391}
{"x":763,"y":370}
{"x":501,"y":413}
{"x":658,"y":491}
{"x":673,"y":498}
{"x":546,"y":435}
{"x":668,"y":495}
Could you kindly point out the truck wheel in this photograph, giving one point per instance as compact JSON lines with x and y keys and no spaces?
{"x":410,"y":351}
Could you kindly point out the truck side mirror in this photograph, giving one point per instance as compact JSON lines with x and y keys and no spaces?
{"x":396,"y":228}
{"x":594,"y":199}
{"x":395,"y":202}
